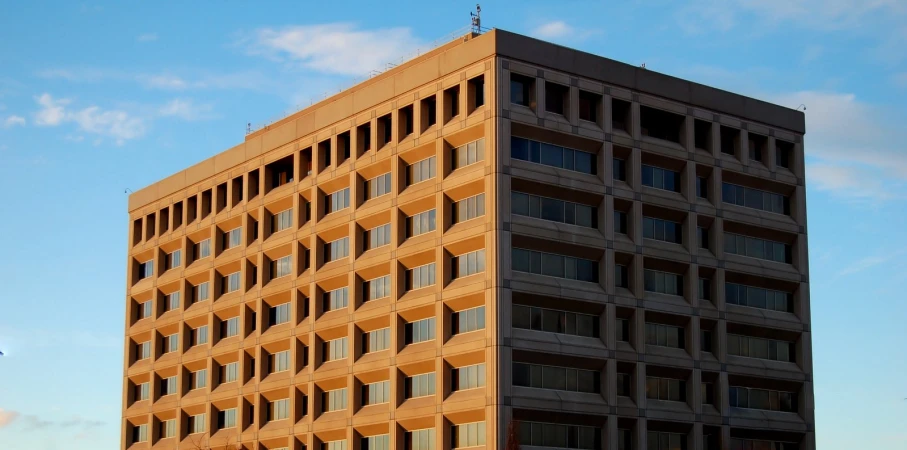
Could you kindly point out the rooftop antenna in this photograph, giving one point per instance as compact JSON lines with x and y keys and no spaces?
{"x":801,"y":106}
{"x":476,"y":19}
{"x":642,"y":66}
{"x":249,"y":128}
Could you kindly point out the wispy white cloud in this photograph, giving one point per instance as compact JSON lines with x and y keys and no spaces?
{"x":851,"y":182}
{"x":186,"y":109}
{"x":13,"y":121}
{"x":870,"y":262}
{"x":116,"y":124}
{"x":7,"y":417}
{"x":842,"y":128}
{"x":22,"y":339}
{"x":333,"y":48}
{"x":146,"y":37}
{"x":119,"y":125}
{"x":559,"y":30}
{"x":723,"y":15}
{"x":164,"y":82}
{"x":168,"y":81}
{"x":856,"y":150}
{"x":31,"y":422}
{"x":553,"y":30}
{"x":52,"y":111}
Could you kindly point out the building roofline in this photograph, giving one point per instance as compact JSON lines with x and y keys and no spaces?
{"x":609,"y":71}
{"x":495,"y":42}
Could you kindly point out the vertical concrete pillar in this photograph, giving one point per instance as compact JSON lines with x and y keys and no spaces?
{"x":744,"y":154}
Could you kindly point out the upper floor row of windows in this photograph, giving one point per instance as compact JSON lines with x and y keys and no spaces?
{"x":217,"y":199}
{"x":654,"y":176}
{"x":418,"y":224}
{"x":653,"y":122}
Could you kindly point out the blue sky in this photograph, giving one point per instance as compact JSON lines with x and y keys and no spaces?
{"x":99,"y":97}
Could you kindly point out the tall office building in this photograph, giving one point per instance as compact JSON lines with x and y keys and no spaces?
{"x":499,"y":240}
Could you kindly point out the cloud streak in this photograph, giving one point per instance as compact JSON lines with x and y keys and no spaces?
{"x":553,"y":30}
{"x":824,"y":15}
{"x":855,"y":150}
{"x":870,"y":262}
{"x":332,"y":48}
{"x":32,"y":422}
{"x":187,"y":110}
{"x":164,"y":81}
{"x":13,"y":121}
{"x":116,"y":124}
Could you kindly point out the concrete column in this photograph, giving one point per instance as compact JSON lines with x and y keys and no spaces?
{"x":719,"y":342}
{"x":719,"y":294}
{"x":638,"y":278}
{"x":797,"y":162}
{"x":640,"y":378}
{"x":695,"y":335}
{"x":463,"y":99}
{"x":718,"y":238}
{"x":691,"y":232}
{"x":715,"y":138}
{"x":539,"y":97}
{"x":635,"y":225}
{"x":573,"y":106}
{"x":611,"y":433}
{"x":744,"y":155}
{"x":715,"y":187}
{"x":770,"y":161}
{"x":726,"y":437}
{"x":642,"y":435}
{"x":605,"y":165}
{"x":689,"y":133}
{"x":696,"y":391}
{"x":634,"y":170}
{"x":723,"y":400}
{"x":689,"y":182}
{"x":634,"y":121}
{"x":691,"y":287}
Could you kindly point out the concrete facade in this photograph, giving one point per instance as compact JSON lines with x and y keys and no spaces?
{"x":586,"y":328}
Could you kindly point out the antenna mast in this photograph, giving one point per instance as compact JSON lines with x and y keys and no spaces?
{"x":476,"y":20}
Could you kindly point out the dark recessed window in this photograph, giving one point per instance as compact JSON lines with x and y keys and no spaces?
{"x":662,"y":230}
{"x":620,"y":222}
{"x":621,"y":276}
{"x":620,"y":115}
{"x":702,"y":187}
{"x":521,"y":88}
{"x":661,"y":178}
{"x":556,"y":98}
{"x":589,"y":104}
{"x":619,"y":169}
{"x":783,"y":152}
{"x":477,"y":90}
{"x":552,"y":155}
